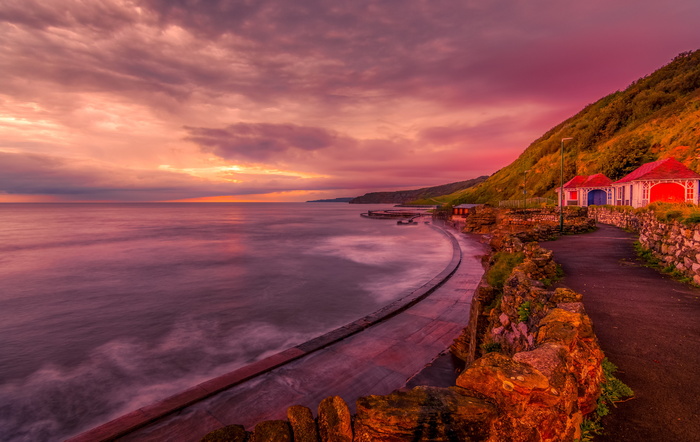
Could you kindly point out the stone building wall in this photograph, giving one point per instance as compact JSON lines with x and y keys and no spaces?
{"x":671,"y":242}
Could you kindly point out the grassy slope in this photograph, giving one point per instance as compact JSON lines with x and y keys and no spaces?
{"x":656,"y":117}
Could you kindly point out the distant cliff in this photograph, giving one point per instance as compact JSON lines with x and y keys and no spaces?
{"x":334,"y":200}
{"x":406,"y":196}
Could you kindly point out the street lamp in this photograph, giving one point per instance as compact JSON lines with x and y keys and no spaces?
{"x":561,"y":188}
{"x":525,"y":187}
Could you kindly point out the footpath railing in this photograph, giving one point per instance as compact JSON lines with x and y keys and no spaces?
{"x":527,"y":203}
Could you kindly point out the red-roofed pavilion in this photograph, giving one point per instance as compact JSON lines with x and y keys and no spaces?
{"x":665,"y":180}
{"x":588,"y":190}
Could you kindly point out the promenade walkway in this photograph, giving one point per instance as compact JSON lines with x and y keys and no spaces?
{"x":376,"y":360}
{"x":648,"y":325}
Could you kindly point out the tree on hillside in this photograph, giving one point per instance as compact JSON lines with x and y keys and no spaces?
{"x":625,"y":155}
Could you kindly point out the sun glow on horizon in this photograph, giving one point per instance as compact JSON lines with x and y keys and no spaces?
{"x":222,"y":173}
{"x":273,"y":197}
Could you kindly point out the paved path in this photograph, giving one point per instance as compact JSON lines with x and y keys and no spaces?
{"x":377,"y":360}
{"x":648,"y":325}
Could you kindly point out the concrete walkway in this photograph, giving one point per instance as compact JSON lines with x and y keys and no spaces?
{"x":376,"y":360}
{"x":648,"y":325}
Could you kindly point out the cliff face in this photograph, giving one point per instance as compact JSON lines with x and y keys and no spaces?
{"x":406,"y":196}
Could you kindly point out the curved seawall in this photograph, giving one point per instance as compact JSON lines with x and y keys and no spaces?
{"x":154,"y":414}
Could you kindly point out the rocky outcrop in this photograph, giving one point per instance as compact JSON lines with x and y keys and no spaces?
{"x":229,"y":433}
{"x":423,"y":414}
{"x":303,"y":424}
{"x":272,"y":431}
{"x":334,"y":420}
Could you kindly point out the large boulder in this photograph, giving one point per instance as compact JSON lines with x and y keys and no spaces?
{"x":423,"y":414}
{"x":303,"y":424}
{"x":272,"y":431}
{"x":536,"y":396}
{"x":334,"y":420}
{"x":229,"y":433}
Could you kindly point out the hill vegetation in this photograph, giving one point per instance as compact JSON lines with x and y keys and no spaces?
{"x":424,"y":195}
{"x":656,"y":117}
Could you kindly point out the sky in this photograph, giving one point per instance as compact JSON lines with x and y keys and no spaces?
{"x":278,"y":100}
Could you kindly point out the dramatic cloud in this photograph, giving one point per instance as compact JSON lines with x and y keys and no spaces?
{"x":238,"y":97}
{"x":260,"y":142}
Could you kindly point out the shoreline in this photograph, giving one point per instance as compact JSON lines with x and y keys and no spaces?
{"x":130,"y":422}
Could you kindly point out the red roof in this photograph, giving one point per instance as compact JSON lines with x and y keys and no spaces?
{"x":597,"y":180}
{"x":667,"y":169}
{"x":575,"y":181}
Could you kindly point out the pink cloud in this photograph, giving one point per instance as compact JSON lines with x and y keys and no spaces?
{"x":260,"y":142}
{"x":458,"y":87}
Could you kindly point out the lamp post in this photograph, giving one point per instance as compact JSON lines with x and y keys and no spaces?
{"x":561,"y":189}
{"x":525,"y":187}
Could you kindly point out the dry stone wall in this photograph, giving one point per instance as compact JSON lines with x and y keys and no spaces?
{"x":527,"y":224}
{"x":673,"y":243}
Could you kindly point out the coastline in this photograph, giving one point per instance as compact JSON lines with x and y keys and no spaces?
{"x":126,"y":424}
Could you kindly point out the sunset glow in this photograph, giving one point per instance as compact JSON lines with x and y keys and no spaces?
{"x":154,"y":100}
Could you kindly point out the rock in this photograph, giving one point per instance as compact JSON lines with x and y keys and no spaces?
{"x":565,"y":295}
{"x":535,"y":393}
{"x":503,"y":319}
{"x":334,"y":420}
{"x":303,"y":424}
{"x":564,"y":327}
{"x":229,"y":433}
{"x":573,"y":307}
{"x":510,"y":384}
{"x":423,"y":414}
{"x":272,"y":431}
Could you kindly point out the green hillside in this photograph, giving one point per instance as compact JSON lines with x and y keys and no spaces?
{"x":656,"y":117}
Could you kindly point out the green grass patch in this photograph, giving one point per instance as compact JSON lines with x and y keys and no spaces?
{"x":502,"y":264}
{"x":490,"y":347}
{"x":685,"y":213}
{"x":613,"y":391}
{"x":647,"y":256}
{"x":524,"y":311}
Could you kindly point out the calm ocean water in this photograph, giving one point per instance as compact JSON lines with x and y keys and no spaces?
{"x":105,"y":308}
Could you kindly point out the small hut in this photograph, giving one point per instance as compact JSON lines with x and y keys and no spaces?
{"x":665,"y":180}
{"x":587,"y":190}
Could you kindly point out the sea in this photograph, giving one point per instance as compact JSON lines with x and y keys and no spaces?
{"x":105,"y":308}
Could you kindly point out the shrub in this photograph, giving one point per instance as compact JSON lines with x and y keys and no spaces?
{"x":684,"y":213}
{"x":613,"y":391}
{"x":524,"y":311}
{"x":490,"y":347}
{"x":502,"y":265}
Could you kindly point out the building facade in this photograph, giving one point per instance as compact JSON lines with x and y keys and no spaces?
{"x":666,"y":180}
{"x":588,"y":191}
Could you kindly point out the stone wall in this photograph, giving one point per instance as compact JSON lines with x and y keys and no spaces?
{"x":673,"y":243}
{"x":527,"y":224}
{"x":545,"y":377}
